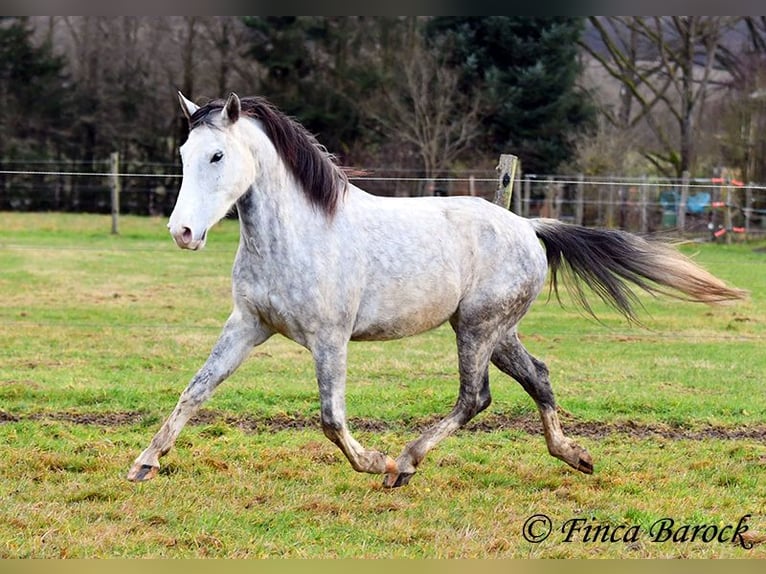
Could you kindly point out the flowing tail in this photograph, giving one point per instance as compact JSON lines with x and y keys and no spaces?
{"x":607,"y":260}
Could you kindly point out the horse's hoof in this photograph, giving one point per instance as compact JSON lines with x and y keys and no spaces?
{"x":578,"y":458}
{"x":396,"y":480}
{"x":585,"y":465}
{"x":584,"y":462}
{"x":142,"y":472}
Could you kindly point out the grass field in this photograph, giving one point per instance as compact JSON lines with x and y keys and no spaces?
{"x":99,"y":334}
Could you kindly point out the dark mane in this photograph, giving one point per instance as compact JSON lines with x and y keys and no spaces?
{"x":321,"y":179}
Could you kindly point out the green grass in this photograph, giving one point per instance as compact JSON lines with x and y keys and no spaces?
{"x":108,"y":330}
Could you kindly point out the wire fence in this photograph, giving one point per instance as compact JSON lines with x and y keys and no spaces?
{"x":641,"y":204}
{"x":715,"y":206}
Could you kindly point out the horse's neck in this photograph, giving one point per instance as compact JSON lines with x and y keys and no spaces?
{"x":274,"y":213}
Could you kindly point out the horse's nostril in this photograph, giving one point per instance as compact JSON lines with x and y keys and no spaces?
{"x":186,"y":235}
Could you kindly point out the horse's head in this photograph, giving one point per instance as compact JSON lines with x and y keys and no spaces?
{"x":217,"y":170}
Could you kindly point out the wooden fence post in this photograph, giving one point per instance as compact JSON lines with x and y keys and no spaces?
{"x":557,"y":191}
{"x":681,"y":215}
{"x":527,"y":199}
{"x":506,"y":169}
{"x":643,"y":193}
{"x":517,"y":193}
{"x":611,"y":200}
{"x":726,"y":197}
{"x":580,"y":199}
{"x":114,"y":184}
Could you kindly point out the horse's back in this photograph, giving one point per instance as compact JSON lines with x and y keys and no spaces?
{"x":468,"y":233}
{"x":426,"y":257}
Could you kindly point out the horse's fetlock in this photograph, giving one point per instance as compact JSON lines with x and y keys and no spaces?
{"x":484,"y":401}
{"x":331,"y":424}
{"x":332,"y":433}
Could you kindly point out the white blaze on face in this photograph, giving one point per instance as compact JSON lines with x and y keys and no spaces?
{"x":199,"y":199}
{"x":218,"y":168}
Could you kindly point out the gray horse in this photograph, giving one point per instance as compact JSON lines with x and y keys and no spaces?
{"x":322,"y":262}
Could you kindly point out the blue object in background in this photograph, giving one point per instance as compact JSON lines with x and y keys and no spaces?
{"x":698,"y":202}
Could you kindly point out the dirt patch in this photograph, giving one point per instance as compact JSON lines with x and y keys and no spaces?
{"x":528,"y":423}
{"x":593,"y":429}
{"x":7,"y":417}
{"x":94,"y":419}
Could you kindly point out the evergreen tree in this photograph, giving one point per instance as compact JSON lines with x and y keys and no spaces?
{"x":307,"y":62}
{"x":526,"y":68}
{"x":32,"y":104}
{"x":31,"y":91}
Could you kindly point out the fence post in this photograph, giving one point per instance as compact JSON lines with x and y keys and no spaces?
{"x":558,"y":197}
{"x":526,"y":200}
{"x":748,"y":210}
{"x":114,"y":184}
{"x":642,"y":195}
{"x":517,"y":193}
{"x":506,"y":169}
{"x":579,"y":199}
{"x":726,"y":198}
{"x":611,"y":200}
{"x":681,"y":215}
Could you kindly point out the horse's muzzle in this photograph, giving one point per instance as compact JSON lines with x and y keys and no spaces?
{"x":184,"y":238}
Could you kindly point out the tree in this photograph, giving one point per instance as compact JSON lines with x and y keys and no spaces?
{"x":420,"y":105}
{"x":32,"y":98}
{"x":741,"y":130}
{"x":31,"y":90}
{"x":306,"y":63}
{"x":671,"y":73}
{"x":225,"y":37}
{"x":526,"y":71}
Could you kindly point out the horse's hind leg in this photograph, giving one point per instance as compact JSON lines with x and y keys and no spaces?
{"x":474,"y":350}
{"x":513,"y":359}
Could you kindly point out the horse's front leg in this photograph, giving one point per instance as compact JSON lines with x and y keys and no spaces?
{"x":330,"y":362}
{"x":240,"y":334}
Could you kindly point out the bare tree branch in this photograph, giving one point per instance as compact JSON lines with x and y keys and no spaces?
{"x":423,"y":107}
{"x":679,"y":76}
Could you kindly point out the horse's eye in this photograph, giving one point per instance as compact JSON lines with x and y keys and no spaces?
{"x":216,"y":157}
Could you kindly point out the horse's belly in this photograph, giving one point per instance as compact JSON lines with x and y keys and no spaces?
{"x":397,"y":326}
{"x":385,"y":318}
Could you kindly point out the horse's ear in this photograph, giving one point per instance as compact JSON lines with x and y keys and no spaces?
{"x":187,"y":106}
{"x":232,"y":108}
